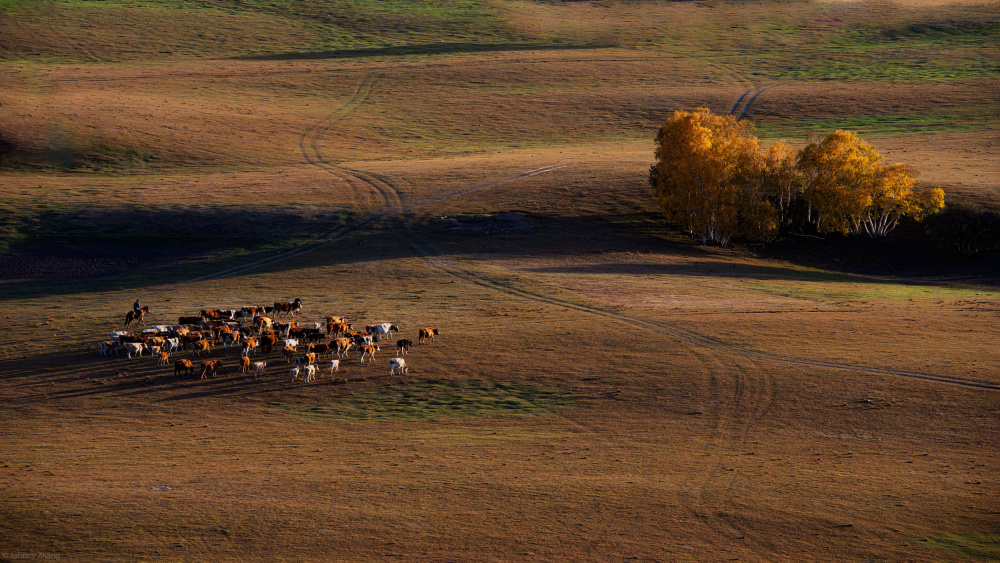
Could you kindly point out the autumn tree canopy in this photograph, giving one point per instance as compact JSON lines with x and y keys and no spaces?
{"x":708,"y":176}
{"x":850,"y":189}
{"x":713,"y":179}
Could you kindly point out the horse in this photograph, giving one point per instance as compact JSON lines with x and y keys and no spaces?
{"x":135,"y":316}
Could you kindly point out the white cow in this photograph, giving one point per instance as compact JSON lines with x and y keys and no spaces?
{"x":382,"y":329}
{"x":294,"y":373}
{"x":173,"y":344}
{"x":258,"y":369}
{"x":399,"y":363}
{"x":310,"y":372}
{"x":136,"y":348}
{"x":116,"y":333}
{"x":293,"y":342}
{"x":334,"y":366}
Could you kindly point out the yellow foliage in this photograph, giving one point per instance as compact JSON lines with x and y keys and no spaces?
{"x":712,"y":178}
{"x":850,"y":189}
{"x":708,"y":177}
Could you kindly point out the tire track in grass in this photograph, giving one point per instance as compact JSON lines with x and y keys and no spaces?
{"x":450,"y":267}
{"x":736,"y":404}
{"x":757,"y":91}
{"x":741,"y":402}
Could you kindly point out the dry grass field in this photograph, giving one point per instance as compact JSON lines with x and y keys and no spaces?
{"x":602,"y":388}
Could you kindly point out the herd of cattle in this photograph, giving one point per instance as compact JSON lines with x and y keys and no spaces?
{"x":257,"y":332}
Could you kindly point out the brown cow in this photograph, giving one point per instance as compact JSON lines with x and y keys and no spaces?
{"x":164,"y":357}
{"x":262,"y":323}
{"x":210,"y":367}
{"x":221,"y":333}
{"x":427,"y":334}
{"x":320,"y":349}
{"x":338,"y":327}
{"x":265,"y":343}
{"x":190,"y":338}
{"x":202,"y":346}
{"x":368,"y":350}
{"x":248,"y":347}
{"x":287,"y":308}
{"x":183,"y":365}
{"x":245,"y":364}
{"x":288,"y":353}
{"x":308,"y":359}
{"x":342,"y":346}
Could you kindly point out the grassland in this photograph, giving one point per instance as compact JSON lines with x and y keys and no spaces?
{"x":602,"y":388}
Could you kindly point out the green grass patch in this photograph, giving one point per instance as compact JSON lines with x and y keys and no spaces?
{"x":896,"y":69}
{"x":873,"y":125}
{"x":435,"y":399}
{"x":985,"y":547}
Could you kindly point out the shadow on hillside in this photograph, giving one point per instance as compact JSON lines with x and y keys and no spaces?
{"x":419,"y":49}
{"x":96,"y":249}
{"x":103,"y":249}
{"x":52,"y":380}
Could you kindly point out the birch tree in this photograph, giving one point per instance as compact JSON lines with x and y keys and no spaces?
{"x":708,"y":177}
{"x":850,"y":189}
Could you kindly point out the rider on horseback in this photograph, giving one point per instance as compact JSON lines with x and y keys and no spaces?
{"x":135,"y":306}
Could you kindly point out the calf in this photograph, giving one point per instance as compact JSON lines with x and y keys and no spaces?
{"x":258,"y":368}
{"x":334,"y":366}
{"x":163,"y":358}
{"x":403,"y":346}
{"x":289,"y":353}
{"x":397,"y":363}
{"x":294,"y":372}
{"x":109,"y":346}
{"x":244,"y":364}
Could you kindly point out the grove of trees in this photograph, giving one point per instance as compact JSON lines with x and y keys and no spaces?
{"x":713,"y":178}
